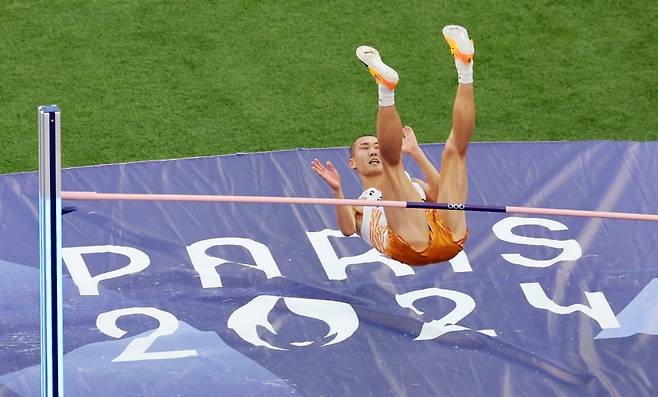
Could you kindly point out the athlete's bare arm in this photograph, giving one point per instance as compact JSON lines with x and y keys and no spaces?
{"x":425,"y":187}
{"x":346,"y":215}
{"x":410,"y":147}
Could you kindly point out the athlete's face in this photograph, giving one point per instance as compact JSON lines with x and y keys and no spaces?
{"x":365,"y":156}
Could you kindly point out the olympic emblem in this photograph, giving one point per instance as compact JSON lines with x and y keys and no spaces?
{"x":454,"y":206}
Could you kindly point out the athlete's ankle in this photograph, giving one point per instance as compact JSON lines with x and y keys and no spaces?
{"x":464,"y":71}
{"x":386,"y":96}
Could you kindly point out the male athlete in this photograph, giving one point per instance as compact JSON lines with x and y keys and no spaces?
{"x":412,"y":236}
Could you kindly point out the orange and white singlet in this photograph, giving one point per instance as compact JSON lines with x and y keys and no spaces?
{"x":374,"y":227}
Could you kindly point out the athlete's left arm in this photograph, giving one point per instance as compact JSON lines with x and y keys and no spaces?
{"x":426,"y":189}
{"x":410,"y":146}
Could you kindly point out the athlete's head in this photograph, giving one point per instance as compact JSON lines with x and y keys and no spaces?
{"x":364,"y":156}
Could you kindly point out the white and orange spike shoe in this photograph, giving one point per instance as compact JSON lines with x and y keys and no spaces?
{"x":461,"y":46}
{"x":382,"y":73}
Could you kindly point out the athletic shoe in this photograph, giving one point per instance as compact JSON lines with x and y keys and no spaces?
{"x":461,"y":46}
{"x":382,"y":73}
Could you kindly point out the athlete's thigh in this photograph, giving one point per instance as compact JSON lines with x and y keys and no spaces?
{"x":410,"y":224}
{"x":397,"y":186}
{"x":453,"y":188}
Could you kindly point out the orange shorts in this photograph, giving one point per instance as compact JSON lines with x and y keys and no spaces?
{"x":440,"y":249}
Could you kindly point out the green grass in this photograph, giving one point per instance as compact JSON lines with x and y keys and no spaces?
{"x":164,"y":79}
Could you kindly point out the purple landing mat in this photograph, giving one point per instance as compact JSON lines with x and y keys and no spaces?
{"x":189,"y":299}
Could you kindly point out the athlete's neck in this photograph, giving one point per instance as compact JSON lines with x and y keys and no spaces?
{"x":375,"y":181}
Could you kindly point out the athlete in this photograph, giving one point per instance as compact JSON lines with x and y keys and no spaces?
{"x":411,"y":236}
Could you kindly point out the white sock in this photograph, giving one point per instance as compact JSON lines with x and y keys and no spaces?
{"x":386,"y":96}
{"x":464,"y":72}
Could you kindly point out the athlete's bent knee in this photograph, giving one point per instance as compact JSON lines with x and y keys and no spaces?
{"x":453,"y":153}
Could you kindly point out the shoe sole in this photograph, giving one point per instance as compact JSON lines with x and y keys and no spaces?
{"x":379,"y":77}
{"x":454,"y":47}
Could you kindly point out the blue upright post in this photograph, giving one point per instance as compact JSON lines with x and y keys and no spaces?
{"x":50,"y":233}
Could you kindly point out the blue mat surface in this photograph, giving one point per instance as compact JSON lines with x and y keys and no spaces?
{"x":190,"y":299}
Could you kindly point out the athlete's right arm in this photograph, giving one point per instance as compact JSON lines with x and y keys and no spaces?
{"x":345,"y":214}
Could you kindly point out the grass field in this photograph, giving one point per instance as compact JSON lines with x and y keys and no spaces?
{"x":164,"y":79}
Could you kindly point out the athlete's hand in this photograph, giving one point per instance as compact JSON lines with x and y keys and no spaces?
{"x":329,"y":174}
{"x":409,"y":141}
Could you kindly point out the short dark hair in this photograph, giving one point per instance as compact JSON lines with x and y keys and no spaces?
{"x":352,"y":145}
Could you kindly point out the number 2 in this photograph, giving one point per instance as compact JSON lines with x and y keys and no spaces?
{"x":137,"y":348}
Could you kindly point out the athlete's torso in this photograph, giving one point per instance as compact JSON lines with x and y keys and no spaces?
{"x":373,"y":226}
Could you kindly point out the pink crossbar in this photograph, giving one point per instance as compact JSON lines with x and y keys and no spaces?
{"x":229,"y":199}
{"x":581,"y":213}
{"x":333,"y":201}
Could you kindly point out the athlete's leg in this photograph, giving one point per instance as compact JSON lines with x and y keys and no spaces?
{"x":411,"y":225}
{"x":453,"y":179}
{"x":389,"y":136}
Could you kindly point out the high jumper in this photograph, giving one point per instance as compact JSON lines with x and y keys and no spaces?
{"x":412,"y":236}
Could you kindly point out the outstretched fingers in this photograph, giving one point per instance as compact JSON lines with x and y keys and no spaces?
{"x":409,"y":141}
{"x":317,"y":166}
